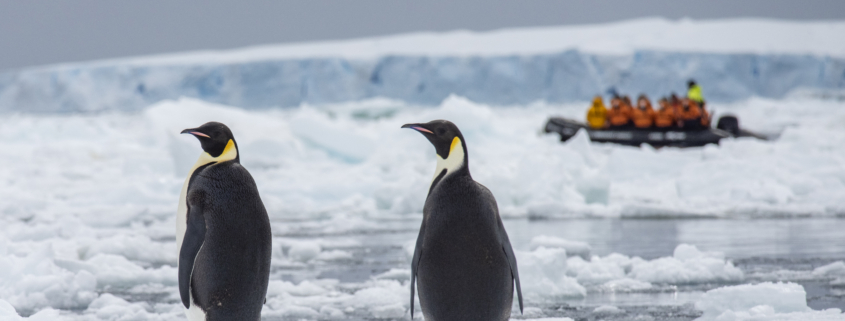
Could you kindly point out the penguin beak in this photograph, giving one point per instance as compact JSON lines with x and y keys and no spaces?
{"x":195,"y":132}
{"x":418,"y":127}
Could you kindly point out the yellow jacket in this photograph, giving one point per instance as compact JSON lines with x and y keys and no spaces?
{"x":694,"y":94}
{"x":597,"y":115}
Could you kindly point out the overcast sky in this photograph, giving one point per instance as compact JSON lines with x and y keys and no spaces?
{"x":36,"y":32}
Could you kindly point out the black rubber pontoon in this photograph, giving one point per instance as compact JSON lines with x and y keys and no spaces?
{"x":728,"y":126}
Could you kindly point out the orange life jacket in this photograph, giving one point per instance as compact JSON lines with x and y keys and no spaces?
{"x":619,"y":116}
{"x":643,"y":117}
{"x":665,"y":117}
{"x":692,"y":113}
{"x":705,"y":117}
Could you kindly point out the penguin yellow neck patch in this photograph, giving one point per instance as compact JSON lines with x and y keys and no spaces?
{"x":453,"y":161}
{"x":229,"y":153}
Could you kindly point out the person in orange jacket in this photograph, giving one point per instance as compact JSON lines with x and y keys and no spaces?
{"x":665,"y":117}
{"x":626,"y":103}
{"x":643,"y":115}
{"x":675,"y":103}
{"x":705,"y":116}
{"x":618,"y":115}
{"x":690,"y":116}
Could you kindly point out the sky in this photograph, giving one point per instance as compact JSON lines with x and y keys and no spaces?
{"x":38,"y":32}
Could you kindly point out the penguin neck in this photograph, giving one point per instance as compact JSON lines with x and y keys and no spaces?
{"x":455,"y":164}
{"x":230,"y":152}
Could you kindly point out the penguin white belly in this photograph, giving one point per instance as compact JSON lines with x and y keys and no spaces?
{"x":194,"y":313}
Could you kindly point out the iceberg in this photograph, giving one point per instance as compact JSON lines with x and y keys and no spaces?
{"x":500,"y":80}
{"x":736,"y":59}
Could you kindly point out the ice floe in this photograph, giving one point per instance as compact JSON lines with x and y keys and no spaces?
{"x":88,"y":213}
{"x":764,"y":301}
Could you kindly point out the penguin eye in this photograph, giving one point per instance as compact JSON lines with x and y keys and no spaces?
{"x":440,"y":131}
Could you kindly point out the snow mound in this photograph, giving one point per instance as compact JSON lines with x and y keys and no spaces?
{"x":688,"y":265}
{"x":33,"y":282}
{"x":608,"y":309}
{"x":41,"y":280}
{"x":304,"y":251}
{"x":8,"y":313}
{"x":835,"y":270}
{"x":325,"y":298}
{"x":543,"y":274}
{"x":764,"y":301}
{"x":547,"y":272}
{"x":572,"y":247}
{"x":119,"y":170}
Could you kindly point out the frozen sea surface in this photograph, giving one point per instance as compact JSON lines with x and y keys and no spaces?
{"x":601,"y":231}
{"x":364,"y":275}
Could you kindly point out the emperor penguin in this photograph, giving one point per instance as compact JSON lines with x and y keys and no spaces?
{"x":463,"y":264}
{"x":222,"y":233}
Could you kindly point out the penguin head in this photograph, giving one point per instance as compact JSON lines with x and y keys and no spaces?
{"x":448,"y":144}
{"x":442,"y":134}
{"x":216,"y":139}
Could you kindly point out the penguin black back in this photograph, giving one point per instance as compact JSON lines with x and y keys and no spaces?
{"x":225,"y":244}
{"x":463,"y":260}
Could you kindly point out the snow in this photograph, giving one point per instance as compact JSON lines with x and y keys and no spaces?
{"x":548,"y":273}
{"x":687,"y":265}
{"x":88,"y":217}
{"x":86,"y":222}
{"x":764,"y":301}
{"x":732,"y":59}
{"x":835,"y":271}
{"x":543,"y":273}
{"x":572,"y":247}
{"x":88,"y":178}
{"x":35,"y":281}
{"x":304,"y":251}
{"x":608,"y":309}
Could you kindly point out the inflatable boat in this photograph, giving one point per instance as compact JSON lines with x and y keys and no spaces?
{"x":728,"y":126}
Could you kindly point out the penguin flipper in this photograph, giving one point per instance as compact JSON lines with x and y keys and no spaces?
{"x":504,"y":241}
{"x":506,"y":246}
{"x":415,"y":262}
{"x":191,"y":244}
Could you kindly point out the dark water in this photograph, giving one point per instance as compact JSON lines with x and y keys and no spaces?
{"x":759,"y":247}
{"x":738,"y":239}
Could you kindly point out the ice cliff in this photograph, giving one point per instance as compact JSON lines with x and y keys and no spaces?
{"x":732,"y":59}
{"x":497,"y":80}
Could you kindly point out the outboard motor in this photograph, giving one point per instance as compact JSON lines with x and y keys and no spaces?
{"x":729,"y":123}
